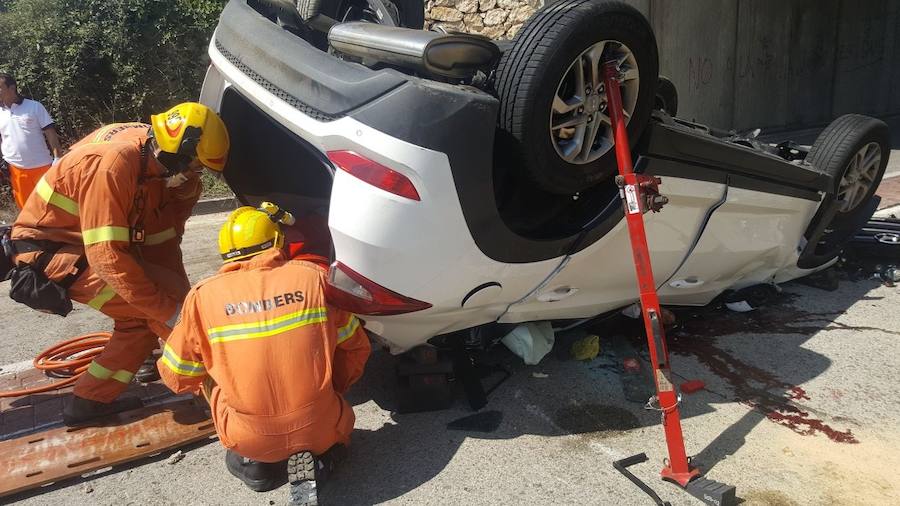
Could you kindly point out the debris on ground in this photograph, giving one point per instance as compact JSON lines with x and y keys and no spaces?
{"x":750,"y":298}
{"x":87,"y":488}
{"x":539,"y":375}
{"x":873,"y":252}
{"x":586,"y":348}
{"x":692,"y":386}
{"x":175,"y":458}
{"x":888,"y":274}
{"x":739,"y":307}
{"x":530,"y":341}
{"x":856,"y":268}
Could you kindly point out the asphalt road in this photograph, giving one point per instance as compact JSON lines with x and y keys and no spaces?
{"x":800,"y":407}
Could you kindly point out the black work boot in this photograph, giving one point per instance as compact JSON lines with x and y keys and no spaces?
{"x":301,"y":469}
{"x":79,"y":410}
{"x":328,"y":462}
{"x":148,"y":372}
{"x":258,"y":476}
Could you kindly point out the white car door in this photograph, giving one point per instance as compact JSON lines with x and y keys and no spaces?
{"x":747,"y":241}
{"x":601,"y":277}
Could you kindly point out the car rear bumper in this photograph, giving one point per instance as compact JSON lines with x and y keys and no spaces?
{"x":421,"y":249}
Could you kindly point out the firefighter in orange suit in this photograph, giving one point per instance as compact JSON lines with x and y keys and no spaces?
{"x":270,"y":354}
{"x":105,"y":225}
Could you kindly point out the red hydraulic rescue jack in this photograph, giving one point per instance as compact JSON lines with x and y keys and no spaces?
{"x":640,"y":193}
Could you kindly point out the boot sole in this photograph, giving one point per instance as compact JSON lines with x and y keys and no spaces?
{"x":301,"y":470}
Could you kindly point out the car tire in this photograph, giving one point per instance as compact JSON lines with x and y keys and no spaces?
{"x":854,"y":150}
{"x":666,"y":97}
{"x":540,"y":67}
{"x":309,"y":8}
{"x":406,"y":13}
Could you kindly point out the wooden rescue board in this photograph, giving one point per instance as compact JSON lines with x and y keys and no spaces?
{"x":64,"y":452}
{"x":36,"y":449}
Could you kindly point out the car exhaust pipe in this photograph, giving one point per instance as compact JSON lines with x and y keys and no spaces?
{"x":455,"y":56}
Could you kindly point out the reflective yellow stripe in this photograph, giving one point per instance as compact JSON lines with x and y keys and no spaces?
{"x":102,"y":132}
{"x":160,"y":237}
{"x":256,"y":324}
{"x":103,"y":234}
{"x":46,"y":192}
{"x":181,"y":366}
{"x":98,"y":371}
{"x":347,"y":330}
{"x":267,"y":328}
{"x":102,"y":298}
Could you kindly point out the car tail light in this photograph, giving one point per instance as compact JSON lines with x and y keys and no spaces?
{"x":353,"y":292}
{"x":374,"y":173}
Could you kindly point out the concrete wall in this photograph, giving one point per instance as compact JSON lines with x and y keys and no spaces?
{"x":767,"y":63}
{"x":779,"y":63}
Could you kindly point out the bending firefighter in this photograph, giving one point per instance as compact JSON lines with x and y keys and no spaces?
{"x":103,"y":227}
{"x":271,"y":356}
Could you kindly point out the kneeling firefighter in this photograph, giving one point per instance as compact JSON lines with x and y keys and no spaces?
{"x":271,"y":356}
{"x":103,"y":227}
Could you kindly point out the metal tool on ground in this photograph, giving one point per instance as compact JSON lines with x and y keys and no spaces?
{"x":622,"y":465}
{"x":640,"y":193}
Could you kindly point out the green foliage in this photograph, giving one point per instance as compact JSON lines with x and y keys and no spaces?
{"x":214,"y":187}
{"x":92,"y":62}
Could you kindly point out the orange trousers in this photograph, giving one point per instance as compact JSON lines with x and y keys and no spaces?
{"x":23,"y":181}
{"x":134,"y":336}
{"x":318,"y":427}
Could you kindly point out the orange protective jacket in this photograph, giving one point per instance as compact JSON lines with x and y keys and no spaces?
{"x":279,"y":355}
{"x":93,"y":197}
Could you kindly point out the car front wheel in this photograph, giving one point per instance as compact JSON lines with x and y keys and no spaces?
{"x":854,"y":151}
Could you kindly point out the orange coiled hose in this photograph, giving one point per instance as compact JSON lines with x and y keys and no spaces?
{"x":67,"y":360}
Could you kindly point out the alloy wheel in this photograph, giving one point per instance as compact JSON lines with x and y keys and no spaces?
{"x":580,"y":128}
{"x":859,"y":176}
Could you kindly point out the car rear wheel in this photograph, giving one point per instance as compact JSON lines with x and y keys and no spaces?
{"x":553,"y":106}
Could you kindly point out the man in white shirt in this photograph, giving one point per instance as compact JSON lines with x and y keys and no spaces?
{"x":26,"y":129}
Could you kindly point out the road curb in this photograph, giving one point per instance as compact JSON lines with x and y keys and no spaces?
{"x":218,"y":205}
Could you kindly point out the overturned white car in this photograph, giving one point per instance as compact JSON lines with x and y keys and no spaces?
{"x":468,"y":183}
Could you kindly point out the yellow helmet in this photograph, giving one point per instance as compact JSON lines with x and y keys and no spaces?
{"x":249,"y":231}
{"x":192,"y":130}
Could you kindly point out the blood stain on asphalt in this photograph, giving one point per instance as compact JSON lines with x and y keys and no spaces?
{"x":753,"y":386}
{"x":772,"y":396}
